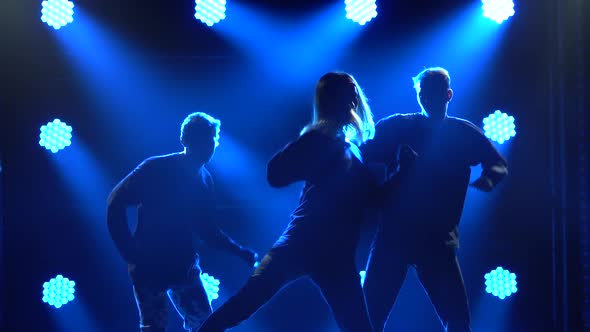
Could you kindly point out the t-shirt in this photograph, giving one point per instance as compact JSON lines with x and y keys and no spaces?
{"x":176,"y":210}
{"x":337,"y":189}
{"x":429,"y":204}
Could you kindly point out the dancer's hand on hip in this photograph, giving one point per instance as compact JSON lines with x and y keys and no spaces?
{"x":482,"y":184}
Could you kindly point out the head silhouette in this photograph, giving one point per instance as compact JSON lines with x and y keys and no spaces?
{"x":433,"y":89}
{"x":199,"y":134}
{"x":341,"y":106}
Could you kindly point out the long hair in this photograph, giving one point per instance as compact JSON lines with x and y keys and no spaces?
{"x":340,"y":107}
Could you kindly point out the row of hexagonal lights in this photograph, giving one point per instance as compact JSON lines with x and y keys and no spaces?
{"x":59,"y":291}
{"x":57,"y":135}
{"x":58,"y":13}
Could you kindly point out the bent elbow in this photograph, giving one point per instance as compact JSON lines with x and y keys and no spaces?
{"x":496,"y":173}
{"x":113,"y":201}
{"x":275,"y":175}
{"x":501,"y":170}
{"x":274,"y":180}
{"x":115,"y":206}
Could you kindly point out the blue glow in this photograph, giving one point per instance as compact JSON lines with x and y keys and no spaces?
{"x":362,"y":274}
{"x":57,"y":13}
{"x":58,"y":291}
{"x":211,"y":286}
{"x":210,"y":11}
{"x":361,"y":11}
{"x":498,"y":10}
{"x":500,"y":283}
{"x":499,"y":127}
{"x":302,"y":47}
{"x":55,"y":135}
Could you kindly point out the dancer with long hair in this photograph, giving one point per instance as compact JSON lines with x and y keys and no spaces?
{"x":321,"y":239}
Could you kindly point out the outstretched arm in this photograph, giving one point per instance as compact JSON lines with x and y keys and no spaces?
{"x":214,"y":237}
{"x":211,"y":234}
{"x":126,"y":193}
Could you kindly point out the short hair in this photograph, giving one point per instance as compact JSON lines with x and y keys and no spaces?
{"x":199,"y":125}
{"x":433,"y":77}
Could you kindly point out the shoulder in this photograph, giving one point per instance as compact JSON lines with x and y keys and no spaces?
{"x":148,"y":163}
{"x":310,"y":134}
{"x":312,"y":138}
{"x":158,"y":162}
{"x":465,"y":125}
{"x":163,"y":159}
{"x":399,"y":118}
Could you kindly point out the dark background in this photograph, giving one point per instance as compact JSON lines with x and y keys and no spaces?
{"x":124,"y":75}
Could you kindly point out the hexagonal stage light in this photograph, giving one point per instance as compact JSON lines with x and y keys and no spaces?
{"x":500,"y":283}
{"x":210,"y":11}
{"x":498,"y":10}
{"x":55,"y":136}
{"x":499,"y":127}
{"x":57,"y":13}
{"x":211,"y":286}
{"x":361,"y":11}
{"x":58,"y":291}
